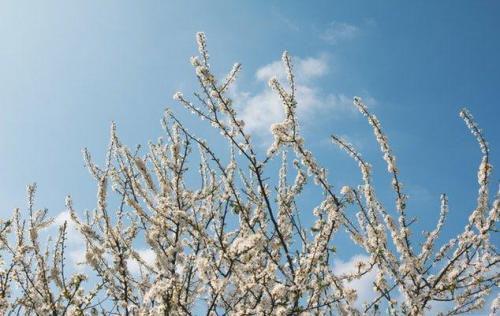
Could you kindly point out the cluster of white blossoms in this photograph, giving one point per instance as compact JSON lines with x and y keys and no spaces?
{"x":33,"y":275}
{"x":240,"y":241}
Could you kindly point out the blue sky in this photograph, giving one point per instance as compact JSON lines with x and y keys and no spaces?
{"x":67,"y":69}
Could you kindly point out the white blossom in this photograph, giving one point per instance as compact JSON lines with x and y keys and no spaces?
{"x":241,"y":240}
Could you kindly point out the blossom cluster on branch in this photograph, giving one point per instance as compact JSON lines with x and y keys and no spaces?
{"x":237,"y":243}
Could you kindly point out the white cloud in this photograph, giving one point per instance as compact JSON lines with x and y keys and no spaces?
{"x":261,"y":110}
{"x":148,"y":255}
{"x":364,"y":285}
{"x":304,"y":69}
{"x":75,"y":246}
{"x":337,"y":31}
{"x":75,"y":243}
{"x":364,"y":288}
{"x":72,"y":234}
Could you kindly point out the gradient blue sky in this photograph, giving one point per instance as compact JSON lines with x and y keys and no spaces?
{"x":67,"y":69}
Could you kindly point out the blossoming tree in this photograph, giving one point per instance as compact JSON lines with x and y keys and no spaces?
{"x":237,"y":243}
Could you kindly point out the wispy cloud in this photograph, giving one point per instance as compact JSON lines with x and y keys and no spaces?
{"x":305,"y":69}
{"x":289,"y":23}
{"x":338,"y":31}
